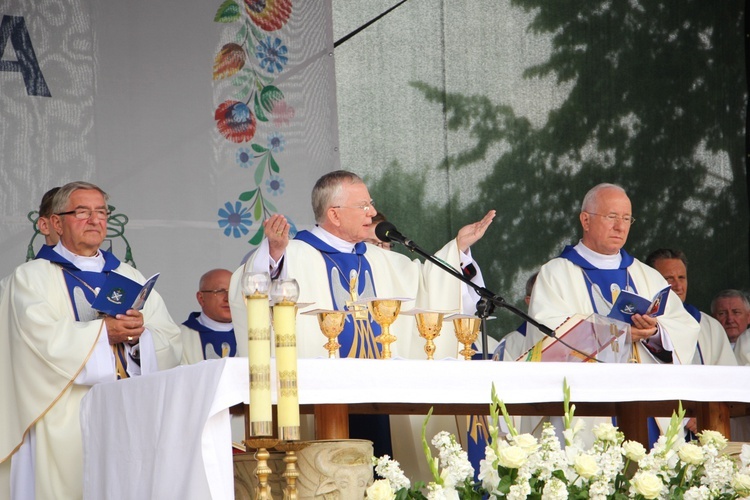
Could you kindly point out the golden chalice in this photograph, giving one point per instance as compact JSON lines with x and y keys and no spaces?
{"x":385,"y":312}
{"x":331,"y":324}
{"x":429,"y":325}
{"x":467,"y":330}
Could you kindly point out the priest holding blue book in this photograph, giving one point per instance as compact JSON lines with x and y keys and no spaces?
{"x":54,"y":346}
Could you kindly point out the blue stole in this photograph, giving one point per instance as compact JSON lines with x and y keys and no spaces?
{"x":358,"y":337}
{"x":214,"y":345}
{"x":603,"y":279}
{"x":76,"y":280}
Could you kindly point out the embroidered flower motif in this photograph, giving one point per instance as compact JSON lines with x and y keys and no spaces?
{"x":272,"y":54}
{"x":235,"y":220}
{"x":235,"y":121}
{"x":276,"y":142}
{"x":275,"y":185}
{"x":244,"y":157}
{"x":269,"y":15}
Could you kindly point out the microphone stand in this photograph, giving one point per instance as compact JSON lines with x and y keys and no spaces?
{"x":488,"y":301}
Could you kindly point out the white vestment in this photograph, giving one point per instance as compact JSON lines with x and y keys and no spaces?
{"x":742,"y":348}
{"x":715,"y":348}
{"x":560,"y":291}
{"x":43,"y":350}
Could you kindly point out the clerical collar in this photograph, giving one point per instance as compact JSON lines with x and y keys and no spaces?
{"x":93,"y":264}
{"x":333,"y":241}
{"x":216,"y":326}
{"x":599,"y":260}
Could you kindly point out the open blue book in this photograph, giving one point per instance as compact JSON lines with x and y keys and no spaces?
{"x":627,"y":304}
{"x":120,"y":293}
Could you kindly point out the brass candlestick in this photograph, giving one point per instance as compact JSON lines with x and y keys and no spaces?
{"x":385,"y":312}
{"x":429,"y":325}
{"x":467,"y":330}
{"x":291,"y":473}
{"x":262,"y":470}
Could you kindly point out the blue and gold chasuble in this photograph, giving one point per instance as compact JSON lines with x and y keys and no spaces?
{"x":350,"y":279}
{"x":214,"y":344}
{"x":83,"y":286}
{"x":603,"y":285}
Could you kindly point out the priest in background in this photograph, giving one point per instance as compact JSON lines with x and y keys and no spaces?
{"x":54,"y":347}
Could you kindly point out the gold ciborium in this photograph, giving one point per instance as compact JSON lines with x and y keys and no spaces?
{"x":385,"y":312}
{"x":467,"y":331}
{"x":429,"y":325}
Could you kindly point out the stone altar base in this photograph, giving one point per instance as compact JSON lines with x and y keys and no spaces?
{"x":330,"y":469}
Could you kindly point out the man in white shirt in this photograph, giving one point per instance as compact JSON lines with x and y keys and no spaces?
{"x":731,"y":308}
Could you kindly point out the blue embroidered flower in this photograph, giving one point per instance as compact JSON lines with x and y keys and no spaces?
{"x":276,"y":142}
{"x":271,"y":54}
{"x":244,"y":157}
{"x":235,"y":220}
{"x":275,"y":185}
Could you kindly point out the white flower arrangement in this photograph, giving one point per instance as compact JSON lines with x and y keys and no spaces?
{"x":520,"y":466}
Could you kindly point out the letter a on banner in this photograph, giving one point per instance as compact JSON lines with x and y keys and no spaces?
{"x":13,"y":28}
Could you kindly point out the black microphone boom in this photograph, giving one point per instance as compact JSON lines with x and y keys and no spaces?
{"x":387,"y":232}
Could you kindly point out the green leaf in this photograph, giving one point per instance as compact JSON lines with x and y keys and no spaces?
{"x":259,"y":114}
{"x":274,"y":165}
{"x":258,"y":209}
{"x":248,"y":195}
{"x":257,"y":237}
{"x":270,"y":207}
{"x":241,"y":34}
{"x":228,"y":12}
{"x":257,"y":34}
{"x":259,"y":171}
{"x":269,"y":96}
{"x":258,"y":148}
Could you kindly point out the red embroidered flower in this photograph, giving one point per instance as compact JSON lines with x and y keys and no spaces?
{"x":269,"y":15}
{"x":235,"y":121}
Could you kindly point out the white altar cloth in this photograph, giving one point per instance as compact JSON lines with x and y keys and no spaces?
{"x":165,"y":435}
{"x":466,"y":382}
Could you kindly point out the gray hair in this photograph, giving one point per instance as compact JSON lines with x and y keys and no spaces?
{"x":589,"y":201}
{"x":327,"y":189}
{"x":63,"y":195}
{"x":730,"y":294}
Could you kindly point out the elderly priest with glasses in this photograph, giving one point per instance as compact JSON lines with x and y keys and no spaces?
{"x":55,"y":346}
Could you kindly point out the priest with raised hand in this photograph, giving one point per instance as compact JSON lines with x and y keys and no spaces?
{"x":336,"y":268}
{"x":54,"y":347}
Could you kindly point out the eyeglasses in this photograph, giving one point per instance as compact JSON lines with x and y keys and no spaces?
{"x":612,"y":218}
{"x":365,"y":206}
{"x":218,"y":293}
{"x":87,"y":213}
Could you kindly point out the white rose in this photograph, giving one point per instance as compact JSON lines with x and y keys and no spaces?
{"x":648,"y":485}
{"x":526,"y":441}
{"x":745,"y":455}
{"x":380,"y":490}
{"x":633,"y":450}
{"x":512,"y":457}
{"x":586,"y":466}
{"x":691,"y":454}
{"x":605,"y":432}
{"x":713,"y":437}
{"x":741,"y":483}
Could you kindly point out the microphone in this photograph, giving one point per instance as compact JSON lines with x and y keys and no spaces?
{"x":385,"y":231}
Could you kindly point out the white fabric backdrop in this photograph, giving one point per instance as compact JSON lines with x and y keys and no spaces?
{"x":132,"y":110}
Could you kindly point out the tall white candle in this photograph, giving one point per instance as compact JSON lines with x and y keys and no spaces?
{"x":285,"y":333}
{"x":259,"y":358}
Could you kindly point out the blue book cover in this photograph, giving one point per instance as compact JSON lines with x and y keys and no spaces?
{"x":120,"y":293}
{"x":627,"y":304}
